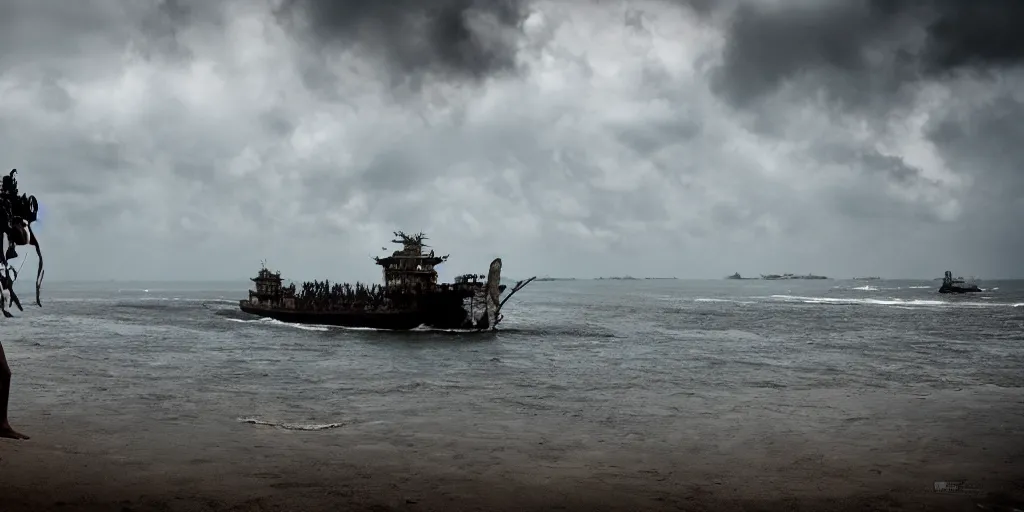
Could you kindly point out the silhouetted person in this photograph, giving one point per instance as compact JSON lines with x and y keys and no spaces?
{"x":5,"y":392}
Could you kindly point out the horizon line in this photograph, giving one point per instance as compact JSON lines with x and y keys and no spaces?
{"x":539,"y":278}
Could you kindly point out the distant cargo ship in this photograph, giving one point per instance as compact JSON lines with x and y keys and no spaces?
{"x":773,"y":277}
{"x":738,"y":276}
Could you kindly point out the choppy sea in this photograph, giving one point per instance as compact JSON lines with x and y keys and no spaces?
{"x":607,"y":351}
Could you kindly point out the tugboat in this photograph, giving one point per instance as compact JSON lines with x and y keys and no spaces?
{"x":410,"y":297}
{"x":958,"y":285}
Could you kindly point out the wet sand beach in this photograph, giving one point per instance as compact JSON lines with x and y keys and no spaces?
{"x":659,"y":397}
{"x":772,"y":451}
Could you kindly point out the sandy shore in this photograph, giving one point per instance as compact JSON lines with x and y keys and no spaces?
{"x":746,"y":461}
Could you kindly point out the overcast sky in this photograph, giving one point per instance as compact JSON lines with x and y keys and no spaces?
{"x":189,"y":139}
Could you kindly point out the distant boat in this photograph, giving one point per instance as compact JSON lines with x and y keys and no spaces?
{"x":738,"y":276}
{"x":958,"y":285}
{"x":872,"y":278}
{"x":810,"y":276}
{"x":773,"y":277}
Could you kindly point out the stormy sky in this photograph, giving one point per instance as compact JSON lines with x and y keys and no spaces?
{"x":189,"y":139}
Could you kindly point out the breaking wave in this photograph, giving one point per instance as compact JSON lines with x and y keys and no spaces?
{"x":271,"y":321}
{"x":885,"y":302}
{"x":731,"y":301}
{"x":866,"y":288}
{"x":292,"y":426}
{"x":186,"y":299}
{"x":322,"y":328}
{"x":424,"y":328}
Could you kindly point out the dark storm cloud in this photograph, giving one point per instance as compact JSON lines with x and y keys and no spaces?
{"x":985,"y":143}
{"x":62,"y":161}
{"x":861,"y":48}
{"x":32,"y":31}
{"x":454,"y":37}
{"x":892,"y":169}
{"x":766,"y":46}
{"x":978,"y":34}
{"x":163,"y":26}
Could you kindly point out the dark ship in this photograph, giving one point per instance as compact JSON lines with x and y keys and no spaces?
{"x":777,"y":277}
{"x":738,"y":276}
{"x":958,"y":285}
{"x":410,"y":297}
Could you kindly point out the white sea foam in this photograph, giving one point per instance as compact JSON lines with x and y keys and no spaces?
{"x":884,"y":302}
{"x":272,"y":321}
{"x":731,"y":301}
{"x":184,"y":299}
{"x":292,"y":426}
{"x":424,"y":328}
{"x":309,"y":327}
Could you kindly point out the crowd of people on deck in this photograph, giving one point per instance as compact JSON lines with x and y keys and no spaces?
{"x":325,"y":295}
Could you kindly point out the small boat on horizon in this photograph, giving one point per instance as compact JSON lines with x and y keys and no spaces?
{"x":738,"y":276}
{"x":776,"y":277}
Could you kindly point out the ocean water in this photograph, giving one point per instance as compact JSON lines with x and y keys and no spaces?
{"x":610,"y":352}
{"x":741,"y":387}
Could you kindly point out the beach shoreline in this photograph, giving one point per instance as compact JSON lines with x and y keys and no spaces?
{"x":135,"y":463}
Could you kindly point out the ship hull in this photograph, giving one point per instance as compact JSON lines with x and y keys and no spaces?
{"x":959,"y":289}
{"x":384,"y":320}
